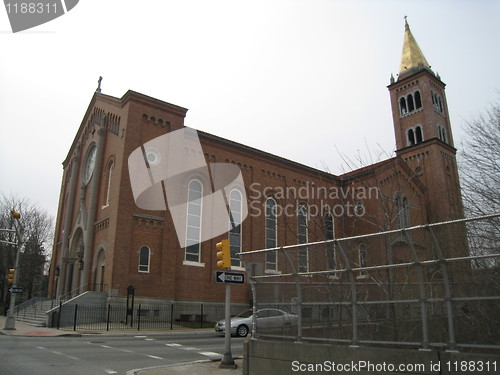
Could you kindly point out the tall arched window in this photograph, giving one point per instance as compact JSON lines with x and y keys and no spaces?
{"x":409,"y":100}
{"x":418,"y":134}
{"x":193,"y":229}
{"x":236,"y":207}
{"x":302,"y":238}
{"x":418,"y":100}
{"x":442,"y":134}
{"x":411,"y":137}
{"x":144,"y":259}
{"x":402,"y":209}
{"x":271,"y":234}
{"x":402,"y":106}
{"x":111,"y":166}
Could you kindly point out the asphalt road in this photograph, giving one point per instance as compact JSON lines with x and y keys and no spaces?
{"x":99,"y":354}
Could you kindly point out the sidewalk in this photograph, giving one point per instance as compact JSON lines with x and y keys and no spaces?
{"x":24,"y":329}
{"x":197,"y":368}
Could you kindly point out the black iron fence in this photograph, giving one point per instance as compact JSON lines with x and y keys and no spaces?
{"x":142,"y":317}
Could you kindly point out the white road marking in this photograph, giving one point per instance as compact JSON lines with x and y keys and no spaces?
{"x":109,"y":371}
{"x":212,"y":355}
{"x":153,"y":356}
{"x":188,"y":348}
{"x":150,"y":339}
{"x":140,"y":337}
{"x":173,"y":344}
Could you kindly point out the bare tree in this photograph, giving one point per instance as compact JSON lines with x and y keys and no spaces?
{"x":479,"y":166}
{"x":480,"y":163}
{"x":37,"y":226}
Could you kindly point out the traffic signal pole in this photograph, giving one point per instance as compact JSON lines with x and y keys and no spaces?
{"x":224,"y":256}
{"x":10,"y":321}
{"x":227,"y":359}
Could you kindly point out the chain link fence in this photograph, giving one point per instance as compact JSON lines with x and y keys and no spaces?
{"x":435,"y":285}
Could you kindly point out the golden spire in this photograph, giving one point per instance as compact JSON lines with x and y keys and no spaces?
{"x":412,"y":56}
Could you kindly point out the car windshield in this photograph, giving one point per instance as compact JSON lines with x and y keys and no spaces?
{"x":245,"y":314}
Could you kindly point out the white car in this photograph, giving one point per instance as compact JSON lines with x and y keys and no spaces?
{"x":241,"y":324}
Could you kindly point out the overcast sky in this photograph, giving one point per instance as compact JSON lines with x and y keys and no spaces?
{"x":302,"y":79}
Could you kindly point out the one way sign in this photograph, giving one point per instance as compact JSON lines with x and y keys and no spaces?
{"x":229,"y":277}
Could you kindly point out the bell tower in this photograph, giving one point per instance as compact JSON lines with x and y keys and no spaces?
{"x":422,"y":128}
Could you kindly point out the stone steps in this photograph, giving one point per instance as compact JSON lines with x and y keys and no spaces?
{"x":35,"y":313}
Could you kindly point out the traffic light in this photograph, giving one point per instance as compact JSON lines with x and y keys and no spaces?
{"x":224,"y":254}
{"x":15,"y":214}
{"x":12,"y":272}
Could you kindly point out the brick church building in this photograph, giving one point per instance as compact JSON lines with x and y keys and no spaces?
{"x":104,"y":241}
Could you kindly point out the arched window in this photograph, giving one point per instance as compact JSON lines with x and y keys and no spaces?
{"x":144,"y":259}
{"x":330,"y":247}
{"x":108,"y":186}
{"x":411,"y":137}
{"x":235,"y":205}
{"x":271,"y":234}
{"x":402,"y":106}
{"x":440,"y":104}
{"x":418,"y":134}
{"x":442,"y":134}
{"x":402,"y":210}
{"x":193,"y":229}
{"x":409,"y":100}
{"x":363,"y":258}
{"x":302,"y":238}
{"x":418,"y":100}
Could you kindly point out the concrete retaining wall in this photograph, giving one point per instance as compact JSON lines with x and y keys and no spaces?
{"x":284,"y":358}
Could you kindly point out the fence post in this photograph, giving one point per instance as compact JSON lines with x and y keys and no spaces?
{"x":299,"y":296}
{"x":139,"y":318}
{"x":107,"y":320}
{"x":447,"y":290}
{"x":59,"y":315}
{"x":171,"y":316}
{"x":421,"y":288}
{"x":201,"y":316}
{"x":74,"y":318}
{"x":354,"y":297}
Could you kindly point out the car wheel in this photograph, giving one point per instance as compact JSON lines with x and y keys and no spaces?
{"x":242,"y":331}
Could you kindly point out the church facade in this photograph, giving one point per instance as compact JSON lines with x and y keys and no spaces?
{"x":105,"y":241}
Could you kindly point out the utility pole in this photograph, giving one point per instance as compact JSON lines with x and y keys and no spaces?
{"x":10,"y":322}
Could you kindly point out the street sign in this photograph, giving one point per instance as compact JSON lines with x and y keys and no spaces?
{"x":16,"y":290}
{"x":229,"y":277}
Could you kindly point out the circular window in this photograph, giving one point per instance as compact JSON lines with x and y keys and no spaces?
{"x":153,"y":156}
{"x":90,"y":164}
